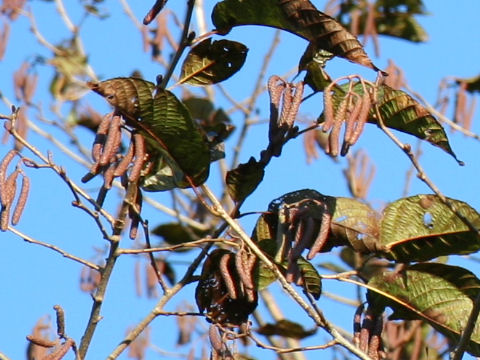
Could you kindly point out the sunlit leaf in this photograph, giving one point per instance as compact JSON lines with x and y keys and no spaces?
{"x":422,"y":227}
{"x":210,"y":63}
{"x":440,"y":294}
{"x":401,"y":112}
{"x":354,"y":223}
{"x":299,"y":17}
{"x":286,"y":328}
{"x":244,"y":179}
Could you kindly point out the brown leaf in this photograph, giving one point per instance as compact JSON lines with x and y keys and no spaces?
{"x":324,"y":32}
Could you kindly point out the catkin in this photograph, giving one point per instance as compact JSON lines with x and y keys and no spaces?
{"x":215,"y":339}
{"x":113,"y":141}
{"x":322,"y":236}
{"x":244,"y":263}
{"x":362,"y":117}
{"x":296,"y":101}
{"x":139,"y":146}
{"x":352,"y":117}
{"x":123,"y":164}
{"x":134,"y":214}
{"x":60,"y":320}
{"x":327,"y":110}
{"x":226,"y":276}
{"x":22,"y":200}
{"x":41,"y":342}
{"x":60,"y":353}
{"x":334,"y":136}
{"x":3,"y":173}
{"x":100,"y":137}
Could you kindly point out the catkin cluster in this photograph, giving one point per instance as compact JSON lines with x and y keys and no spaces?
{"x":8,"y":191}
{"x":226,"y":288}
{"x":111,"y":163}
{"x":353,"y":109}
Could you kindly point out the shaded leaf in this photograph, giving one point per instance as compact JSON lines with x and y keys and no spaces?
{"x":173,"y":129}
{"x":440,"y":294}
{"x":472,"y":85}
{"x":176,"y":233}
{"x":286,"y":328}
{"x":421,"y":227}
{"x":210,"y":63}
{"x":299,"y":17}
{"x":244,"y":179}
{"x":312,"y":282}
{"x":178,"y":150}
{"x":392,"y":18}
{"x":215,"y":123}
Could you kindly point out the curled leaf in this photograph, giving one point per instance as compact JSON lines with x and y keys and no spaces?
{"x":212,"y":62}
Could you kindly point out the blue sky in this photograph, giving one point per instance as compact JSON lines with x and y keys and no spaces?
{"x":34,"y":278}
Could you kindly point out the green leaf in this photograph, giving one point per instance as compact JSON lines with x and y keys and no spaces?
{"x":179,"y":151}
{"x":354,"y":223}
{"x":210,"y":63}
{"x":422,"y":227}
{"x":312,"y":282}
{"x":440,"y":294}
{"x":244,"y":179}
{"x":214,"y":122}
{"x":286,"y":328}
{"x":299,"y":17}
{"x":173,"y":129}
{"x":401,"y":112}
{"x":401,"y":26}
{"x":176,"y":233}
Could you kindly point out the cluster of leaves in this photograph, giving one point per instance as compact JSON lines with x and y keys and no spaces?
{"x":178,"y":154}
{"x":172,"y":142}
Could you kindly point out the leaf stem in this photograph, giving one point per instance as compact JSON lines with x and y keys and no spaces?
{"x":183,"y":43}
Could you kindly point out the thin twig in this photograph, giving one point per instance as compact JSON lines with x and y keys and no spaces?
{"x":421,"y":174}
{"x":54,"y":248}
{"x":158,"y":309}
{"x":182,"y":44}
{"x":462,"y":344}
{"x":442,"y":117}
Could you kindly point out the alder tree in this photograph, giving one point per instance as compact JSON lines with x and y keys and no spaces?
{"x":175,"y":147}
